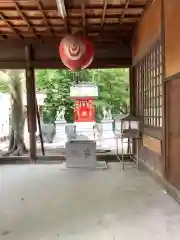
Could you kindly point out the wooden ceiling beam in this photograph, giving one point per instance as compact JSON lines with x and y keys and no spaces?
{"x":83,"y":17}
{"x":90,"y":32}
{"x":112,"y":38}
{"x":14,"y":18}
{"x":76,"y":7}
{"x":49,"y":45}
{"x":94,"y":39}
{"x":89,"y":27}
{"x":25,"y":19}
{"x":10,"y":26}
{"x":40,"y":7}
{"x":124,"y":11}
{"x":104,"y":13}
{"x":57,"y":64}
{"x":105,"y":36}
{"x":109,"y":6}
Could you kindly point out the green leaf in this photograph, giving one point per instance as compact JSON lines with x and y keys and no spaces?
{"x":113,"y":89}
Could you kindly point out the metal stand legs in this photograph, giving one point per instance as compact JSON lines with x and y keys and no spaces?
{"x":130,"y":154}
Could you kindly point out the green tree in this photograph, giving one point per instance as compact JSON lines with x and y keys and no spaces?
{"x":56,"y":85}
{"x":113,"y":93}
{"x":113,"y":87}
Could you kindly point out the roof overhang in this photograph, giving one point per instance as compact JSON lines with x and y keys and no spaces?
{"x":109,"y":24}
{"x":46,"y":54}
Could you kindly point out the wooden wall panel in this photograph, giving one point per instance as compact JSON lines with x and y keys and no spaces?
{"x":152,"y":144}
{"x":172,"y":37}
{"x":152,"y":159}
{"x":173,"y":131}
{"x":148,"y":29}
{"x":146,"y":34}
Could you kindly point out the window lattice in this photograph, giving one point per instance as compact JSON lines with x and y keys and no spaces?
{"x":149,"y":83}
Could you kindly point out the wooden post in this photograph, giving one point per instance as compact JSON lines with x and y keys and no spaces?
{"x":132,"y":90}
{"x":132,"y":103}
{"x":31,"y":102}
{"x":40,"y":130}
{"x":166,"y":167}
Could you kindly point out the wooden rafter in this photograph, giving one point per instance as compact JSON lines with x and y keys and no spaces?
{"x":88,"y":7}
{"x":25,"y":19}
{"x":89,"y":28}
{"x":38,"y":20}
{"x":83,"y":16}
{"x":104,"y":13}
{"x":17,"y":18}
{"x":40,"y":7}
{"x":105,"y":35}
{"x":124,"y":11}
{"x":10,"y":25}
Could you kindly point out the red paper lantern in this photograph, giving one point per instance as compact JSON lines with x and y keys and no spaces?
{"x":76,"y":52}
{"x":89,"y":53}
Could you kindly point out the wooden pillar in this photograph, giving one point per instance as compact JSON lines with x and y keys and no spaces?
{"x":132,"y":102}
{"x":165,"y":123}
{"x":31,"y":101}
{"x":132,"y":90}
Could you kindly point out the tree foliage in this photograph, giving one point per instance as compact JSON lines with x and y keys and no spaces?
{"x":4,"y":82}
{"x":56,"y":85}
{"x":113,"y":87}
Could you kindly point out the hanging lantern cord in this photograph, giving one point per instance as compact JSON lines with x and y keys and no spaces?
{"x":77,"y":77}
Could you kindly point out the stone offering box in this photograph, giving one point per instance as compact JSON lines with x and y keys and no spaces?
{"x":81,"y":154}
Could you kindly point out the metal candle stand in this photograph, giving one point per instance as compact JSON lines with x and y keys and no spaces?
{"x":127,"y":128}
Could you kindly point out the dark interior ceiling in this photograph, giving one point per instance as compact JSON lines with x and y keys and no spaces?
{"x":108,"y":23}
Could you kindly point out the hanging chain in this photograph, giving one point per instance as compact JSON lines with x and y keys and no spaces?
{"x":76,"y":77}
